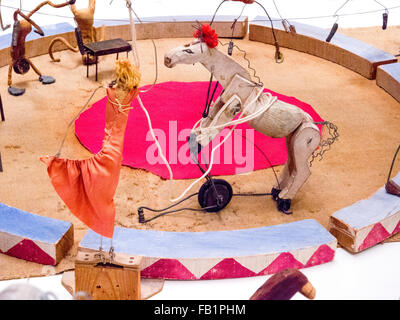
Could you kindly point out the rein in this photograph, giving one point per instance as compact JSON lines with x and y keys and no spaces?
{"x":206,"y":110}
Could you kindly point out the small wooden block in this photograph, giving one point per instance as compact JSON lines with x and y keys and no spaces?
{"x":348,"y":52}
{"x":33,"y":237}
{"x":367,"y":222}
{"x":388,"y":78}
{"x":148,"y":287}
{"x":119,"y":280}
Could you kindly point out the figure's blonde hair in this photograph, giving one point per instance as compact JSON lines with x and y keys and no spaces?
{"x":128,"y":76}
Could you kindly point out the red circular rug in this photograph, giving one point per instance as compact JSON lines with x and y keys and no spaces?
{"x":174,"y":108}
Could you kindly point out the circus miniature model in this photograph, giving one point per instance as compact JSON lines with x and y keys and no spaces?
{"x":263,"y":112}
{"x":20,"y":63}
{"x":85,"y":32}
{"x":88,"y":186}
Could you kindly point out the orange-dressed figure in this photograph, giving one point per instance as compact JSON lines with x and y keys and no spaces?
{"x":88,"y":186}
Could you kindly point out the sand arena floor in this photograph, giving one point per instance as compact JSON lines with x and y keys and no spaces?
{"x":357,"y":165}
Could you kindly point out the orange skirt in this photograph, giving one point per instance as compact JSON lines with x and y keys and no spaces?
{"x":88,"y":186}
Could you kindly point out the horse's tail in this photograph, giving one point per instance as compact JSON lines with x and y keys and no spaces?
{"x":64,"y":41}
{"x":325,"y":144}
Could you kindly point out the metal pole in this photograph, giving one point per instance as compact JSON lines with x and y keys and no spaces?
{"x":2,"y":110}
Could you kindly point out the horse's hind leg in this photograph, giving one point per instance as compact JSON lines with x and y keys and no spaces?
{"x":284,"y":177}
{"x":304,"y":142}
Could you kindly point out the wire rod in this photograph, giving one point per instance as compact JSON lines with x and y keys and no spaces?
{"x":391,"y":167}
{"x":256,"y":20}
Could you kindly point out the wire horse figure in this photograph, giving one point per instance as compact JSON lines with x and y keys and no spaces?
{"x":261,"y":111}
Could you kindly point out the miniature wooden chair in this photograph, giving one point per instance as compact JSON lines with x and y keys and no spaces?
{"x":100,"y":48}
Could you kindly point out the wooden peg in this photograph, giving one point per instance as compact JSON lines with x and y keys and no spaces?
{"x":392,"y":188}
{"x":284,"y":285}
{"x":308,"y":291}
{"x":332,"y":33}
{"x":385,"y":17}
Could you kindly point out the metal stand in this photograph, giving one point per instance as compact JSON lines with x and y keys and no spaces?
{"x":2,"y":110}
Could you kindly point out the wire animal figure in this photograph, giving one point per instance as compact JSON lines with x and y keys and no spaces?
{"x":245,"y":99}
{"x":84,"y":19}
{"x":21,"y":64}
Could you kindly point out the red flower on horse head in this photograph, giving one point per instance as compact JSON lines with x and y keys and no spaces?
{"x":208,"y":35}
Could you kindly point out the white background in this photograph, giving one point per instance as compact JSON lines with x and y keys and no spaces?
{"x":372,"y":274}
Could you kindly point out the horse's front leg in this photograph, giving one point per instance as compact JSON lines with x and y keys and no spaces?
{"x":215,"y":107}
{"x":221,"y":114}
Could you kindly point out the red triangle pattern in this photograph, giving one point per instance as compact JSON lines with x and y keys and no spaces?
{"x":283,"y":261}
{"x":397,"y":229}
{"x":167,"y":269}
{"x":323,"y":254}
{"x":376,"y":235}
{"x":227,"y":268}
{"x":30,"y":251}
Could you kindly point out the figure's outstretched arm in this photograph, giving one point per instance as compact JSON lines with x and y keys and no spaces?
{"x":92,"y":5}
{"x":27,"y":18}
{"x":70,"y":2}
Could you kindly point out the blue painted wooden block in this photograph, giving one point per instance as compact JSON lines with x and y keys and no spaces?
{"x":346,"y":51}
{"x":222,"y":254}
{"x":33,"y":237}
{"x":388,"y":78}
{"x":367,"y":222}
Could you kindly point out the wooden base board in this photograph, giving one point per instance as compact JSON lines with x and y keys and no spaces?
{"x":367,"y":222}
{"x":148,"y":287}
{"x":32,"y":237}
{"x":345,"y":51}
{"x":388,"y":78}
{"x":222,"y":254}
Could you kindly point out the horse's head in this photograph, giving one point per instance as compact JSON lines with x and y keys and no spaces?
{"x":196,"y":51}
{"x":187,"y":54}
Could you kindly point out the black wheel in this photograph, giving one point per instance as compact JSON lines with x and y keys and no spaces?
{"x":209,"y":198}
